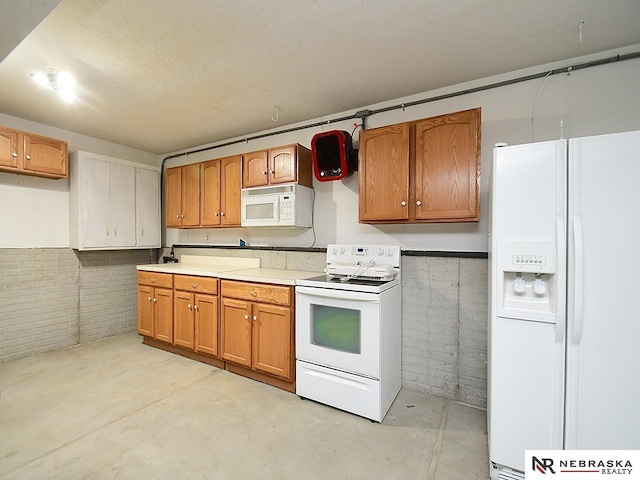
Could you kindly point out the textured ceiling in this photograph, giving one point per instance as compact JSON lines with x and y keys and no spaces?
{"x":162,"y":76}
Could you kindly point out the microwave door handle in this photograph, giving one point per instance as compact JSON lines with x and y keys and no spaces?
{"x":276,"y":213}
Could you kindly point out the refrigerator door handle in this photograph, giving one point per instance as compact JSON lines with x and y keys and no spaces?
{"x":560,"y":246}
{"x":578,"y":309}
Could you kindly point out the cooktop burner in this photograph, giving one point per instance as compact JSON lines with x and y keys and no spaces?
{"x":367,"y":268}
{"x":353,"y":284}
{"x":352,"y":281}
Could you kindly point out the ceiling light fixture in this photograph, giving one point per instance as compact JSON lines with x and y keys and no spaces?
{"x":60,"y":81}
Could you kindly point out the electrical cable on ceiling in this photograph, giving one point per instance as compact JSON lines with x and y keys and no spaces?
{"x":535,"y":104}
{"x":580,"y":28}
{"x":276,"y":117}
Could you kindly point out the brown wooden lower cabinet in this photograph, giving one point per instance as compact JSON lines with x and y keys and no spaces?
{"x":245,"y":327}
{"x":258,"y":334}
{"x":155,"y":306}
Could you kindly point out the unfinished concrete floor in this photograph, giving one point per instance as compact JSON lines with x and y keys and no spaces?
{"x":117,"y":409}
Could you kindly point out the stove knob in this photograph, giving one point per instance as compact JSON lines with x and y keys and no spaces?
{"x":342,"y":250}
{"x":334,"y":250}
{"x":381,"y":251}
{"x":389,"y":253}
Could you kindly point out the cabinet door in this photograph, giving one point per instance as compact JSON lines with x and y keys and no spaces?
{"x":282,"y":163}
{"x":231,"y":190}
{"x":206,"y":324}
{"x":147,"y":208}
{"x":9,"y":148}
{"x":384,"y":173}
{"x":163,"y":314}
{"x":272,"y":340}
{"x":191,"y":195}
{"x":95,"y":210}
{"x":173,"y":197}
{"x":210,"y":194}
{"x":45,"y":156}
{"x":122,"y":230}
{"x":255,"y":169}
{"x":235,"y":329}
{"x":145,"y":310}
{"x":183,"y":317}
{"x":448,"y":167}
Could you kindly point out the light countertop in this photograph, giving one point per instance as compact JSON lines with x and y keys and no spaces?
{"x":233,"y":269}
{"x":269,"y":275}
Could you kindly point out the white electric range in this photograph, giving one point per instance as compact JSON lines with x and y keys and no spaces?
{"x":348,"y":330}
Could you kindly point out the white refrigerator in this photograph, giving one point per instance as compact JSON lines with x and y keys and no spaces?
{"x":564,"y":298}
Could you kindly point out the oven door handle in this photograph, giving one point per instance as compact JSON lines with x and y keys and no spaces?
{"x":339,"y":294}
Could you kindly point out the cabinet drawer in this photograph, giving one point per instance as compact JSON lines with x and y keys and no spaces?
{"x":164,"y":280}
{"x":196,"y":284}
{"x":257,"y":292}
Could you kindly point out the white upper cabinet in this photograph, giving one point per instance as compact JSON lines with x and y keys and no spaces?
{"x":147,"y":208}
{"x":114,"y":204}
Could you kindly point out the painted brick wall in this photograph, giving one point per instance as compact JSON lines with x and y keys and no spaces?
{"x":473,"y":331}
{"x":53,"y":298}
{"x":444,"y":327}
{"x":108,"y":292}
{"x":38,"y":301}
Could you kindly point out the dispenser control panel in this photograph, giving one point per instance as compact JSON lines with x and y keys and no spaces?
{"x":529,"y":259}
{"x":519,"y":256}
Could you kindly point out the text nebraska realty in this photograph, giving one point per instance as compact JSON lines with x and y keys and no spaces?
{"x":605,"y":467}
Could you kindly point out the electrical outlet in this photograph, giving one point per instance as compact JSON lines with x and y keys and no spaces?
{"x":207,"y":237}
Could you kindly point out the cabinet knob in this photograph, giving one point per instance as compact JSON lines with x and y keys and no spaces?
{"x":273,"y":172}
{"x":264,"y":172}
{"x":194,"y":285}
{"x":14,"y":154}
{"x":154,"y":280}
{"x":155,"y":300}
{"x":255,"y":318}
{"x":177,"y":216}
{"x":217,"y":214}
{"x":115,"y":231}
{"x":189,"y":306}
{"x":252,"y":293}
{"x":403,"y":203}
{"x":149,"y":299}
{"x":222,"y":214}
{"x":28,"y":157}
{"x":195,"y":307}
{"x":182,"y":216}
{"x":418,"y":203}
{"x":246,"y":317}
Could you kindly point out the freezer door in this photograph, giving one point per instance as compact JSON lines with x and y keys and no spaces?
{"x":526,"y":325}
{"x":603,"y":392}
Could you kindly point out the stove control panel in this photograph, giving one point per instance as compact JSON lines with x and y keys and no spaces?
{"x":353,"y":254}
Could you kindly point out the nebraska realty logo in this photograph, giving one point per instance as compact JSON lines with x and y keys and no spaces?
{"x":582,"y":464}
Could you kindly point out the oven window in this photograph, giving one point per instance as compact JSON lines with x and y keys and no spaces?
{"x":259,"y":211}
{"x":335,"y":328}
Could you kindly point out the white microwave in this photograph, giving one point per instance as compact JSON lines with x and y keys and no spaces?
{"x":286,"y":205}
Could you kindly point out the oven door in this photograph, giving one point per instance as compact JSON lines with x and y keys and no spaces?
{"x":339,"y":329}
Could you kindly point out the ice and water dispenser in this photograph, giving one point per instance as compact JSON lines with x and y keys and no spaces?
{"x":527,"y":280}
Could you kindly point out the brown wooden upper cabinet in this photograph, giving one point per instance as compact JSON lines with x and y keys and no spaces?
{"x":29,"y":154}
{"x":221,"y":182}
{"x":288,"y":164}
{"x":183,"y":196}
{"x":424,"y":171}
